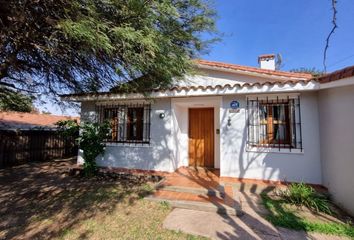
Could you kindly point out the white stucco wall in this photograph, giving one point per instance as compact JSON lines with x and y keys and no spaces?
{"x":168,"y":149}
{"x":236,"y":161}
{"x":336,"y":108}
{"x":155,"y":156}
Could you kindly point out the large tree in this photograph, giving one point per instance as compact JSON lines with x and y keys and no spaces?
{"x":11,"y":100}
{"x":60,"y":46}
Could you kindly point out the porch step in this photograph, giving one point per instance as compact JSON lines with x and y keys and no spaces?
{"x":196,"y":201}
{"x":200,"y":206}
{"x":218,"y":192}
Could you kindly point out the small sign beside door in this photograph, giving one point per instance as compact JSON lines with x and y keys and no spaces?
{"x":235,"y":106}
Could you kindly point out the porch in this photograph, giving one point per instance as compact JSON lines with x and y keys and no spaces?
{"x":203,"y":189}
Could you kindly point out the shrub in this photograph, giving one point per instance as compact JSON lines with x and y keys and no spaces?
{"x":68,"y":127}
{"x":301,"y":194}
{"x":91,"y":141}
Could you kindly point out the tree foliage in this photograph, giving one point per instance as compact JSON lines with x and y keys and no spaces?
{"x":91,"y":141}
{"x":11,"y":100}
{"x":56,"y":46}
{"x":315,"y":72}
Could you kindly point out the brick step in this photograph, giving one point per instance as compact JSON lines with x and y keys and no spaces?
{"x":218,"y":192}
{"x":185,"y":196}
{"x":196,"y":202}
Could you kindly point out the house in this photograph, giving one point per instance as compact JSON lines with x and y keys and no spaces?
{"x":252,"y":123}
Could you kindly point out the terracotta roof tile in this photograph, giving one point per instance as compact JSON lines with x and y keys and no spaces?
{"x":289,"y":78}
{"x":304,"y":76}
{"x":236,"y":85}
{"x":337,"y":75}
{"x":21,"y":120}
{"x":203,"y":88}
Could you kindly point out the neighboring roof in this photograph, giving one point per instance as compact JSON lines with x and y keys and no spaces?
{"x":19,"y":120}
{"x":337,"y":75}
{"x":228,"y":66}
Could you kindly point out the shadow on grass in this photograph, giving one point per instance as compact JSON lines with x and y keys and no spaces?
{"x":283,"y":217}
{"x":40,"y":201}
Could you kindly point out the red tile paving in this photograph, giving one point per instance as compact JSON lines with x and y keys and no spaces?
{"x":193,"y":178}
{"x":208,"y":178}
{"x":260,"y":182}
{"x":251,"y":181}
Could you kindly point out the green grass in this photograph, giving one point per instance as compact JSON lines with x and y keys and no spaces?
{"x":282,"y":216}
{"x":91,"y":209}
{"x":131,"y":217}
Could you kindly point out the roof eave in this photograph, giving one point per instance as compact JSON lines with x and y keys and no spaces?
{"x":218,"y":90}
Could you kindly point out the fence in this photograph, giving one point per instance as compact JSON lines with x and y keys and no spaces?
{"x":18,"y":147}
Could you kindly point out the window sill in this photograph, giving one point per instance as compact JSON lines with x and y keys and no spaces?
{"x":274,"y":150}
{"x":131,"y":145}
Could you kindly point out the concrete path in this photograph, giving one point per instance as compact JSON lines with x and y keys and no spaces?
{"x":215,"y":226}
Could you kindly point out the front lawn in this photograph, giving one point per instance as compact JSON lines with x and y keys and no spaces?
{"x":40,"y":201}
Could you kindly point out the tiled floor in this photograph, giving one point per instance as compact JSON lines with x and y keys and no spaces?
{"x":193,"y":178}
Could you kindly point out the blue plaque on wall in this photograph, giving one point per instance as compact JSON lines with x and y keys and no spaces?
{"x":234,"y":104}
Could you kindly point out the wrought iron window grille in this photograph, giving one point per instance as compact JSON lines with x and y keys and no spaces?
{"x":274,"y":123}
{"x":130,"y":123}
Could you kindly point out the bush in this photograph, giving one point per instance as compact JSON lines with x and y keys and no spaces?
{"x":91,"y":141}
{"x":301,"y":194}
{"x":68,"y":127}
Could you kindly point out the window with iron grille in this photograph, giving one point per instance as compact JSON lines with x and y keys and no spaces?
{"x":129,"y":123}
{"x":274,"y":122}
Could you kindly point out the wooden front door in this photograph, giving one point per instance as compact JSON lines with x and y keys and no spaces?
{"x":201,"y":137}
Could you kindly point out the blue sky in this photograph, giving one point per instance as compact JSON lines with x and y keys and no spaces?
{"x":296,"y":29}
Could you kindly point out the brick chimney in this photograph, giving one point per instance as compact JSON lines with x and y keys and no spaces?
{"x":267,"y":61}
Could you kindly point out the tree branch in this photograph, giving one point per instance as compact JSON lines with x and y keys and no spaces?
{"x":334,"y":22}
{"x":10,"y":85}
